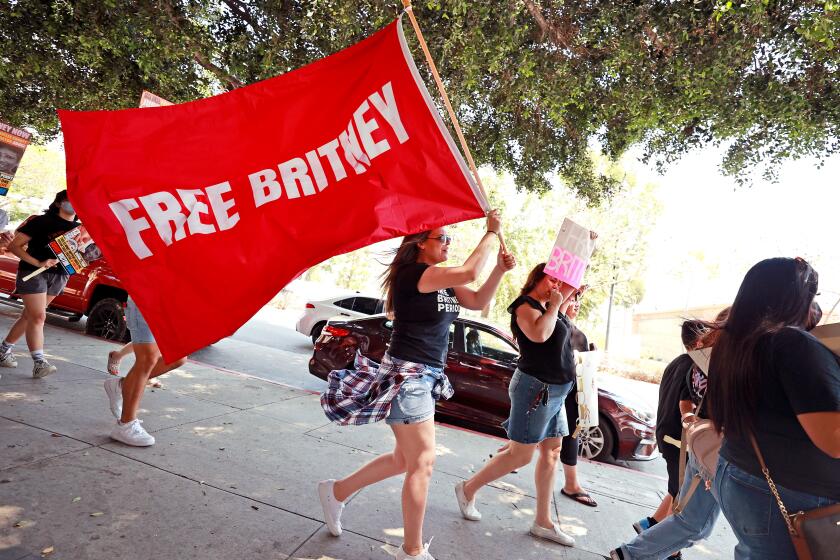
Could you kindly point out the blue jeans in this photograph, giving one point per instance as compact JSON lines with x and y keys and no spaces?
{"x":678,"y":531}
{"x":754,"y":515}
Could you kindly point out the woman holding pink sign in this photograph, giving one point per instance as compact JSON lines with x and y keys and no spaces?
{"x":544,"y":376}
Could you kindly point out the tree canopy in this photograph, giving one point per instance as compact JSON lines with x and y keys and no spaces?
{"x":536,"y":84}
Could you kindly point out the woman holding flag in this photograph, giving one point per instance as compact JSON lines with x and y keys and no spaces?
{"x":544,"y":376}
{"x":31,"y":245}
{"x":425,"y":299}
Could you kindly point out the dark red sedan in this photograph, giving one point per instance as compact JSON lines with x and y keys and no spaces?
{"x":480,"y":363}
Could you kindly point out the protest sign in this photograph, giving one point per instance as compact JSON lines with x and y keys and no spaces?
{"x":148,"y":99}
{"x":13,"y":142}
{"x":74,"y":249}
{"x":570,"y":255}
{"x":241,"y":192}
{"x":701,"y":357}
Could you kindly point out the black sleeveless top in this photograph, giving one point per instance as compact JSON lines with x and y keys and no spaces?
{"x":421,"y":321}
{"x":552,"y":361}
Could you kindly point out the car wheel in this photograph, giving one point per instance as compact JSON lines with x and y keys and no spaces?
{"x":107,"y":320}
{"x":596,"y":443}
{"x":316,"y":330}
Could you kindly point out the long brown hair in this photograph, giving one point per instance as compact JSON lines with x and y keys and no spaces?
{"x":534,"y":277}
{"x":406,"y":253}
{"x":776,"y":293}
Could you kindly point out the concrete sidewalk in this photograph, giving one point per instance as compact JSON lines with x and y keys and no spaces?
{"x":233,"y":475}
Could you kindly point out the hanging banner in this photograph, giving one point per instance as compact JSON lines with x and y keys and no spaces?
{"x":205,"y":210}
{"x":571,"y":253}
{"x":13,"y":143}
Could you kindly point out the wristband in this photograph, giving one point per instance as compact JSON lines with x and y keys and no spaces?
{"x":496,"y":233}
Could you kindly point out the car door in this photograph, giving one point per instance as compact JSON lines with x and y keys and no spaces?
{"x":482,"y":366}
{"x":343,"y":308}
{"x":365,"y":305}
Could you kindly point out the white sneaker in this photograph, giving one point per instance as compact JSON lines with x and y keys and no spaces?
{"x":113,"y":387}
{"x":332,"y":507}
{"x":43,"y":368}
{"x":8,"y":360}
{"x":424,"y":554}
{"x":554,"y":534}
{"x":132,"y":433}
{"x":468,"y":509}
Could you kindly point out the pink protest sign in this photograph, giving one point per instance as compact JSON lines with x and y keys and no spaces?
{"x":571,"y":253}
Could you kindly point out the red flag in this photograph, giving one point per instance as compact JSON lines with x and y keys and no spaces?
{"x":206,"y":210}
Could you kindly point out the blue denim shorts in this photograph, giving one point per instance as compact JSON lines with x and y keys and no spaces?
{"x":140,"y":332}
{"x":532,"y":417}
{"x":414,"y":403}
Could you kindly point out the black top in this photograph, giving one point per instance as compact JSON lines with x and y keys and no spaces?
{"x":552,"y":361}
{"x":421,"y":321}
{"x":579,"y":340}
{"x":43,"y":229}
{"x":799,"y":375}
{"x":672,"y":389}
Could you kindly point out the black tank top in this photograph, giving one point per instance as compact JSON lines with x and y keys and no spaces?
{"x":551,"y":361}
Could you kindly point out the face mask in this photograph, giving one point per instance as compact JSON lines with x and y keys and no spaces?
{"x":67,"y":207}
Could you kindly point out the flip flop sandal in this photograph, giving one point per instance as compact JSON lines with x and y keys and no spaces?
{"x":580,"y":497}
{"x":113,"y":365}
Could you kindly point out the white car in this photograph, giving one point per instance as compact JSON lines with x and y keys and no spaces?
{"x":346,"y":307}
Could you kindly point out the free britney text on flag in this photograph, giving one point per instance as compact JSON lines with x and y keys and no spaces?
{"x":206,"y":210}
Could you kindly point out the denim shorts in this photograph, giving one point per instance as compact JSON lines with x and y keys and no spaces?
{"x":48,"y":282}
{"x":140,"y":332}
{"x":414,"y":403}
{"x":532,"y":417}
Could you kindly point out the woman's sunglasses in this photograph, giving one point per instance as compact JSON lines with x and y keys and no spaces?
{"x":445,"y":239}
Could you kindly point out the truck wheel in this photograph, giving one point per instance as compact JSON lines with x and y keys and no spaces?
{"x":107,"y":320}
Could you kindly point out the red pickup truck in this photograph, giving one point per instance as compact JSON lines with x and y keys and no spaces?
{"x":95,"y":292}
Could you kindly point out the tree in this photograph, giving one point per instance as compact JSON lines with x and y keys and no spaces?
{"x":535,"y":84}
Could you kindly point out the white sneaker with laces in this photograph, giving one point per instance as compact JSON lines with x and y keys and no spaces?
{"x":8,"y":360}
{"x":468,"y":509}
{"x":424,"y":554}
{"x":132,"y":433}
{"x":332,"y":507}
{"x":43,"y":368}
{"x":554,"y":534}
{"x":113,"y":388}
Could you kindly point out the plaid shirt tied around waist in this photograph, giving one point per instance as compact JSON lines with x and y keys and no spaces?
{"x":363,"y":395}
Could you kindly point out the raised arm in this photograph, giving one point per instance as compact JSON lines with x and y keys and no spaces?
{"x":480,"y":298}
{"x":441,"y":277}
{"x":539,"y":327}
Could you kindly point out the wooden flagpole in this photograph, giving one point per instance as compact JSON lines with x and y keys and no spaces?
{"x":430,"y":61}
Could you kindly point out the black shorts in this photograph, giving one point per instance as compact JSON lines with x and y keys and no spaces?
{"x":671,"y":454}
{"x":48,"y":282}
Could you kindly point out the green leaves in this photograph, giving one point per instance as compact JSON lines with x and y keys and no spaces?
{"x":535,"y":83}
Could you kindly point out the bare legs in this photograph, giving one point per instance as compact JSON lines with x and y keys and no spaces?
{"x":516,"y":455}
{"x":414,"y":455}
{"x":31,"y":321}
{"x":148,"y":364}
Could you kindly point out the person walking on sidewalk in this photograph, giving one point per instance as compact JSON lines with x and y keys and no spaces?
{"x":538,"y":389}
{"x":125,"y":394}
{"x":569,"y":449}
{"x":425,"y":299}
{"x":682,"y":400}
{"x":674,"y":401}
{"x":774,"y":389}
{"x":31,"y":245}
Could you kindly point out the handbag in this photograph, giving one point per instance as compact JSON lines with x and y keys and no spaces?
{"x":701,"y":439}
{"x":815,"y":533}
